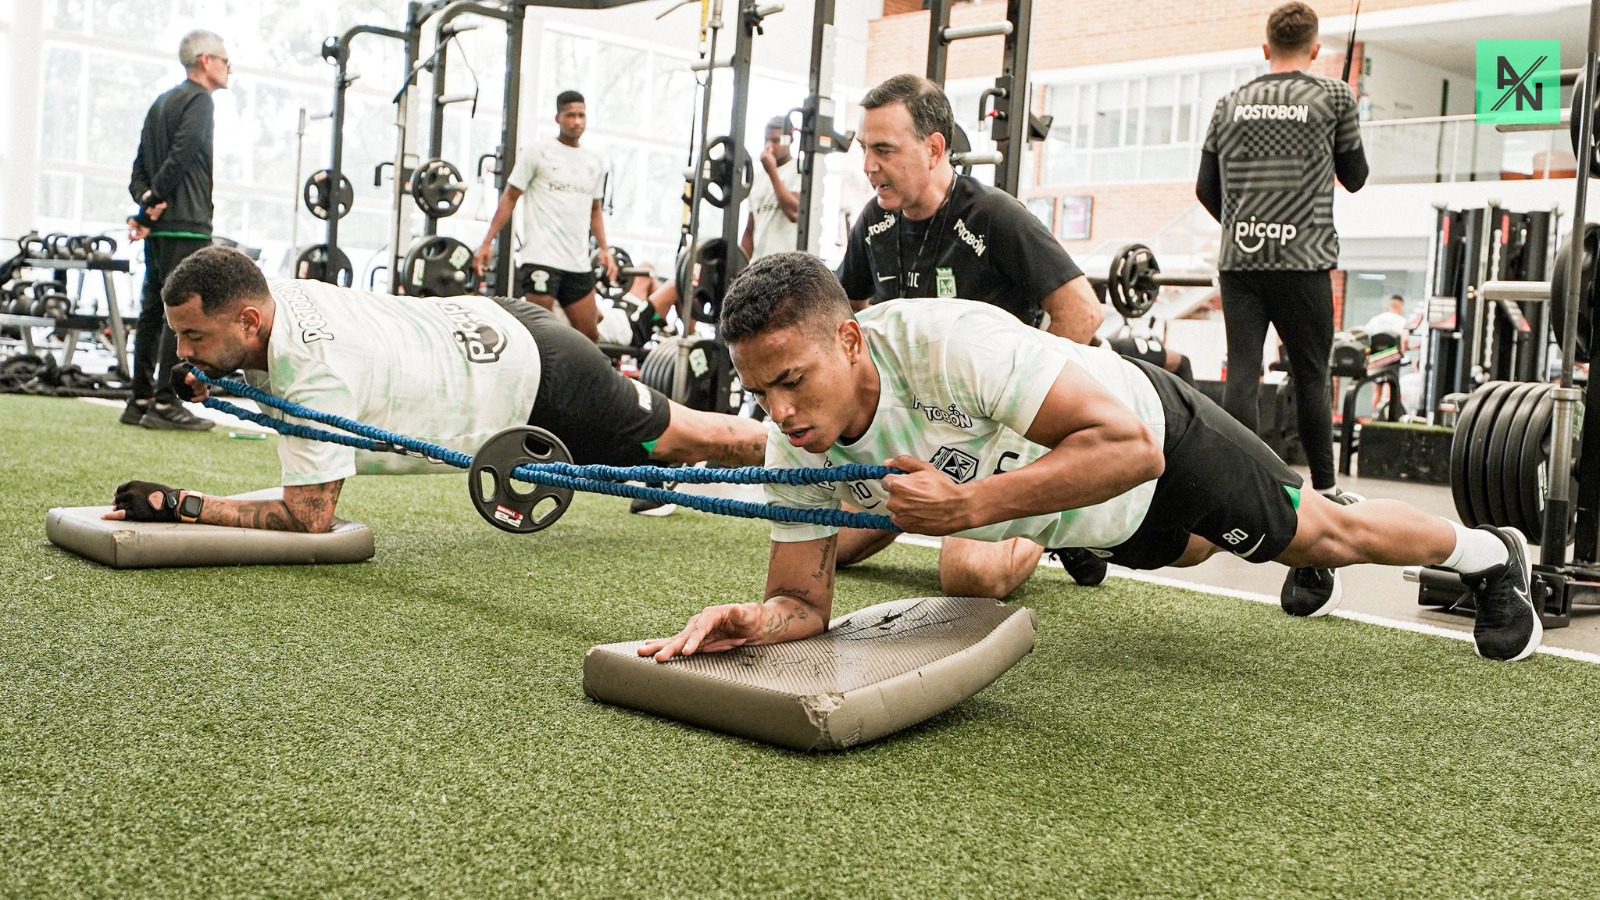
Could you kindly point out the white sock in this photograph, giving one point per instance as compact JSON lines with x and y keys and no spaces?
{"x":1475,"y":551}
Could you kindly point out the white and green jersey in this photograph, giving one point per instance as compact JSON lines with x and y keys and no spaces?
{"x":961,"y":383}
{"x":450,"y":371}
{"x":559,"y":185}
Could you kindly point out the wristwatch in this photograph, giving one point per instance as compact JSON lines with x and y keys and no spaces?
{"x":185,"y":505}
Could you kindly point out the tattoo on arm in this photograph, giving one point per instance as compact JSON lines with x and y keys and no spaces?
{"x":304,"y":509}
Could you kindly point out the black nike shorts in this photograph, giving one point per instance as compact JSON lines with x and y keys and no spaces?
{"x":566,"y":287}
{"x":602,"y":416}
{"x":1221,"y":482}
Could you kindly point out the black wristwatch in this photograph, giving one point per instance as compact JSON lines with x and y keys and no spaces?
{"x":187,"y":509}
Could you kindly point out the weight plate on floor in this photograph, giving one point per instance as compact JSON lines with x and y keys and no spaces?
{"x":1477,"y":449}
{"x":1504,"y":507}
{"x":438,"y":266}
{"x":324,"y":263}
{"x":1515,"y":429}
{"x":1459,"y":440}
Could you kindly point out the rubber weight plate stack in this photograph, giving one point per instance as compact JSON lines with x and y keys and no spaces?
{"x":1586,"y":291}
{"x":712,"y":386}
{"x":1465,"y":420}
{"x":1502,"y":506}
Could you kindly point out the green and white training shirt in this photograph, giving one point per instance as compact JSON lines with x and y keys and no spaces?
{"x":447,"y":370}
{"x":961,"y":385}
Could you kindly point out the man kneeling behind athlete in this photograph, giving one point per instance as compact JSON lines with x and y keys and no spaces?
{"x":1005,"y":431}
{"x":450,"y":370}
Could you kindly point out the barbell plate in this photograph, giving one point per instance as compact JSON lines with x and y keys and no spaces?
{"x":1459,"y":441}
{"x":1519,"y":512}
{"x":1477,"y":512}
{"x":508,"y":504}
{"x":1503,"y":505}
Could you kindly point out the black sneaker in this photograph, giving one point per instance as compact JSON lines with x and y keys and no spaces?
{"x":174,"y":417}
{"x":134,"y":412}
{"x":1313,"y":593}
{"x":1507,"y":627}
{"x":642,"y":507}
{"x":1086,"y":569}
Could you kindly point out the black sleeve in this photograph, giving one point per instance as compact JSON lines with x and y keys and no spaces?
{"x":191,"y":143}
{"x":1351,"y":168}
{"x":1019,"y":236}
{"x":1208,"y":184}
{"x":855,"y":272}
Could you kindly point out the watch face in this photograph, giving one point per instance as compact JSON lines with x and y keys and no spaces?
{"x":191,"y":507}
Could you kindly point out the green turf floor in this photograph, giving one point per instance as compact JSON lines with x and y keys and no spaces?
{"x":416,"y":725}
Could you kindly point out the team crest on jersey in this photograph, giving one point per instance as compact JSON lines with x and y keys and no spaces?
{"x":483,"y":343}
{"x":960,"y":465}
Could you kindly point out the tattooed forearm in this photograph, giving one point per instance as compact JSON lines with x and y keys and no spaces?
{"x":788,"y":619}
{"x":303,"y":509}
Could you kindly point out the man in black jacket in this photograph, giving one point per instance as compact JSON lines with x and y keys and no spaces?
{"x":172,"y":184}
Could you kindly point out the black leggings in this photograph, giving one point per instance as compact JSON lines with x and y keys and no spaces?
{"x":1300,"y":306}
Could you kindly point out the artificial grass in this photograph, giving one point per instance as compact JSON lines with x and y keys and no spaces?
{"x":416,"y":724}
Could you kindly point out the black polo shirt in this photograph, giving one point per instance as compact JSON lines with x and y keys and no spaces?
{"x":982,"y":245}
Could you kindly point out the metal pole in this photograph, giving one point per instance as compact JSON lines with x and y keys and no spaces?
{"x":938,"y":50}
{"x":819,"y":110}
{"x":1558,"y":510}
{"x":1011,"y":125}
{"x":508,"y":140}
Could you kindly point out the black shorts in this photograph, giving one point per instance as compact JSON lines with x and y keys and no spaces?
{"x":1221,"y":483}
{"x":567,"y":287}
{"x":602,"y":416}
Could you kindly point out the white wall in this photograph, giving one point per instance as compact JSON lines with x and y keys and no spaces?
{"x":1401,"y":87}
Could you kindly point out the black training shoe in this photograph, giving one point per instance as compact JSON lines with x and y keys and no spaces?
{"x":1507,"y":627}
{"x":133,"y":412}
{"x":642,"y":507}
{"x":1311,"y":593}
{"x":1085,"y":568}
{"x":174,"y":418}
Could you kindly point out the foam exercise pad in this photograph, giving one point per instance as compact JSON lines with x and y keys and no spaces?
{"x":149,"y":545}
{"x":871,"y":674}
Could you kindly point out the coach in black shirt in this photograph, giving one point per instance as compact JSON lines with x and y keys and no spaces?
{"x":929,"y":232}
{"x":171,"y":182}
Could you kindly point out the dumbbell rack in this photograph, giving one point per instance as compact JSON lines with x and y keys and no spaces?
{"x":76,"y":325}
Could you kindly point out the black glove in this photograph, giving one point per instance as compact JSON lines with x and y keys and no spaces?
{"x":133,"y":498}
{"x":180,"y":381}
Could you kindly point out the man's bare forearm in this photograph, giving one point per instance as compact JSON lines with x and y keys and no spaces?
{"x":304,"y":509}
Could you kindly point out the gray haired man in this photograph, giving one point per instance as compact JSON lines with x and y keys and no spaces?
{"x":171,"y":182}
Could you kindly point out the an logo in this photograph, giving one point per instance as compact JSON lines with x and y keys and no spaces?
{"x":482,"y":343}
{"x":951,"y":414}
{"x":1261,"y":232}
{"x":960,"y":465}
{"x":1519,"y":82}
{"x":878,"y":228}
{"x":1283,"y":112}
{"x":944,"y":282}
{"x":970,"y":239}
{"x":313,"y":327}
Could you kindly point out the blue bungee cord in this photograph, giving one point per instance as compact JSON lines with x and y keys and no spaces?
{"x":590,"y":478}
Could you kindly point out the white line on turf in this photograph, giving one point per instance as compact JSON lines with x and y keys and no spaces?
{"x":1367,"y":618}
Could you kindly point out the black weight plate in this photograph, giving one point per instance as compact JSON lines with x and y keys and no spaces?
{"x":661,"y":367}
{"x":1586,"y":291}
{"x":437,"y":187}
{"x":438,"y":266}
{"x":1518,"y":511}
{"x":1129,"y":285}
{"x":322,"y":199}
{"x":1477,"y":446}
{"x":321,"y":262}
{"x":1535,"y":464}
{"x":1504,"y":507}
{"x":1573,"y":126}
{"x":510,"y":505}
{"x":1458,"y":452}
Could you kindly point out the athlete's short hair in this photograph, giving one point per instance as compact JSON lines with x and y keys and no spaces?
{"x":221,"y":277}
{"x":782,"y":290}
{"x":1292,"y":29}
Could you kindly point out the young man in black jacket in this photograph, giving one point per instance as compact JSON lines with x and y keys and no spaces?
{"x":171,"y":182}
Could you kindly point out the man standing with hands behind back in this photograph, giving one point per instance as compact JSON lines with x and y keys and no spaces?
{"x":171,"y":182}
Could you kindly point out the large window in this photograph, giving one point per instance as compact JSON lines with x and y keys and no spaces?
{"x":1144,"y":128}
